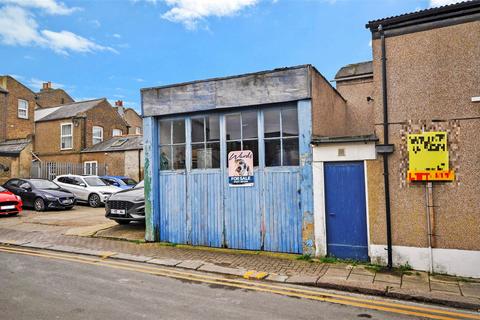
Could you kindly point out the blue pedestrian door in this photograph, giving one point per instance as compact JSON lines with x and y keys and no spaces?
{"x":346,"y":210}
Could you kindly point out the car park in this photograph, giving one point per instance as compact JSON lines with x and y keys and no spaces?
{"x":10,"y":204}
{"x":119,"y":181}
{"x":127,"y":205}
{"x":90,"y":189}
{"x":41,"y":194}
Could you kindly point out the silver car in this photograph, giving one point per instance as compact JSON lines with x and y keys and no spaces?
{"x":90,"y":189}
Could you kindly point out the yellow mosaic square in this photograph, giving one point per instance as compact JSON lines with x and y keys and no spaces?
{"x":428,"y":151}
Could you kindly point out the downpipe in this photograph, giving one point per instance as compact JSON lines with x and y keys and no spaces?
{"x":386,"y":179}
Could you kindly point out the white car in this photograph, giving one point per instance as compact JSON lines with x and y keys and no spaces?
{"x":90,"y":189}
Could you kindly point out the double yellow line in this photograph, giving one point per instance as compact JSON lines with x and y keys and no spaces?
{"x":373,"y":304}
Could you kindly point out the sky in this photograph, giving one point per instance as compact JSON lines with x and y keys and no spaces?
{"x":113,"y":48}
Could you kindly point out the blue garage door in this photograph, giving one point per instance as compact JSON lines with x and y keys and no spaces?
{"x":346,"y":210}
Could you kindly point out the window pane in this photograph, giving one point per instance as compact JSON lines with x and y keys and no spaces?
{"x":165,"y":158}
{"x":249,"y":123}
{"x":198,"y":156}
{"x":197,"y":129}
{"x":178,"y":131}
{"x":252,"y":145}
{"x":271,"y":123}
{"x":290,"y":152}
{"x":212,"y":155}
{"x":212,"y":128}
{"x":178,"y":156}
{"x":272,"y":153}
{"x":233,"y":126}
{"x":289,"y":122}
{"x":233,"y":146}
{"x":165,"y":132}
{"x":66,"y":130}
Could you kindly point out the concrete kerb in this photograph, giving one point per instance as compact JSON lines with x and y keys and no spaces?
{"x":449,"y":300}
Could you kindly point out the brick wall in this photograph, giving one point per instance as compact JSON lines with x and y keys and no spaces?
{"x":105,"y":116}
{"x":133,"y":120}
{"x":53,"y":97}
{"x":15,"y":127}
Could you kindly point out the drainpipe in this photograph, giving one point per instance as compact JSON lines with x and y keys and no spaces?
{"x":386,"y":180}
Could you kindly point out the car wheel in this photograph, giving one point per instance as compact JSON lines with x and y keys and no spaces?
{"x":39,"y":204}
{"x":94,"y":200}
{"x":122,"y":222}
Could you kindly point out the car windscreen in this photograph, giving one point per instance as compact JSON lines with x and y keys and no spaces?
{"x":129,"y":181}
{"x":94,"y":182}
{"x":139,"y":185}
{"x":44,"y":184}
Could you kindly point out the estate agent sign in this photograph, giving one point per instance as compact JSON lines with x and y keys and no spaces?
{"x":240,"y":168}
{"x":428,"y":157}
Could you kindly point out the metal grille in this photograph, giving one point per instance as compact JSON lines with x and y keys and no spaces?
{"x":50,"y":170}
{"x":8,"y":203}
{"x":117,"y":204}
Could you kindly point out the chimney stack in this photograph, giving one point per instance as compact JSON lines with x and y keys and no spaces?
{"x":119,"y":103}
{"x":47,"y":86}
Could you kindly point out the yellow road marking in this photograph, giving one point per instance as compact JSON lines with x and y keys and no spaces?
{"x":248,"y":274}
{"x":313,"y":295}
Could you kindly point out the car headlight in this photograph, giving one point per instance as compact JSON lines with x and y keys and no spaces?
{"x":50,"y":197}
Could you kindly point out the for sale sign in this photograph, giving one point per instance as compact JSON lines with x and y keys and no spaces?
{"x":240,"y":168}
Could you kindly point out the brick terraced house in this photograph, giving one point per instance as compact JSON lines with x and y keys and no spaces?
{"x":17,"y":107}
{"x":62,"y":132}
{"x":131,"y":117}
{"x":50,"y":97}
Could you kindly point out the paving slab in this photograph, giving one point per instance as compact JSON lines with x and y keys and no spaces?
{"x":361,"y":278}
{"x":208,"y":267}
{"x":165,"y":262}
{"x":191,"y":264}
{"x":362,"y":270}
{"x":131,"y":257}
{"x":353,"y":286}
{"x":470,"y":289}
{"x":415,"y":285}
{"x":276,"y":278}
{"x":304,"y":280}
{"x":445,"y":287}
{"x":388,"y":277}
{"x":336,"y":273}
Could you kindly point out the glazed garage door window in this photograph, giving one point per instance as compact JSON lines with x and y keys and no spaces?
{"x":281,"y":137}
{"x":205,"y":142}
{"x":172,"y":144}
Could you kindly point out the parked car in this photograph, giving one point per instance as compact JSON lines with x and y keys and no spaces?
{"x":127,"y":205}
{"x":41,"y":194}
{"x":10,"y":204}
{"x":119,"y":181}
{"x":90,"y":189}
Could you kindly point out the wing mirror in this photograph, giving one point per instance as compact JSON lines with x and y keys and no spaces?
{"x":83,"y":185}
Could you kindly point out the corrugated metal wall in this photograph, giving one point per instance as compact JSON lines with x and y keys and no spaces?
{"x":199,"y":207}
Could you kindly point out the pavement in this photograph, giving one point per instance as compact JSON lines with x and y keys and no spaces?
{"x":86,"y":231}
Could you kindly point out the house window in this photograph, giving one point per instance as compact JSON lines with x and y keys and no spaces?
{"x":242,"y":133}
{"x":97,"y":134}
{"x":172,"y":144}
{"x":22,"y":109}
{"x":281,"y":137}
{"x":205,"y":142}
{"x":138,"y":130}
{"x":117,"y":132}
{"x":66,"y":136}
{"x":90,"y":168}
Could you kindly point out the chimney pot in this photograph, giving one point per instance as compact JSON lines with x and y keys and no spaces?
{"x":119,"y":103}
{"x":47,"y":85}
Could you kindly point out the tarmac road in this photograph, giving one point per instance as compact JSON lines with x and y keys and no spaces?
{"x":37,"y":287}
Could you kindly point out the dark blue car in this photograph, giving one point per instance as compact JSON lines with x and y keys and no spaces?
{"x":119,"y":181}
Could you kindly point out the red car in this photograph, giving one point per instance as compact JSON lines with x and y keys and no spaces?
{"x":10,"y":204}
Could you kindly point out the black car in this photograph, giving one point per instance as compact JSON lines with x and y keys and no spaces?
{"x":126,"y":205}
{"x":41,"y":194}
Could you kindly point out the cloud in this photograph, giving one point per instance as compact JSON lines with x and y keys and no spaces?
{"x":191,"y":12}
{"x":49,"y":6}
{"x":116,"y":35}
{"x":139,"y":80}
{"x":18,"y":27}
{"x":438,"y":3}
